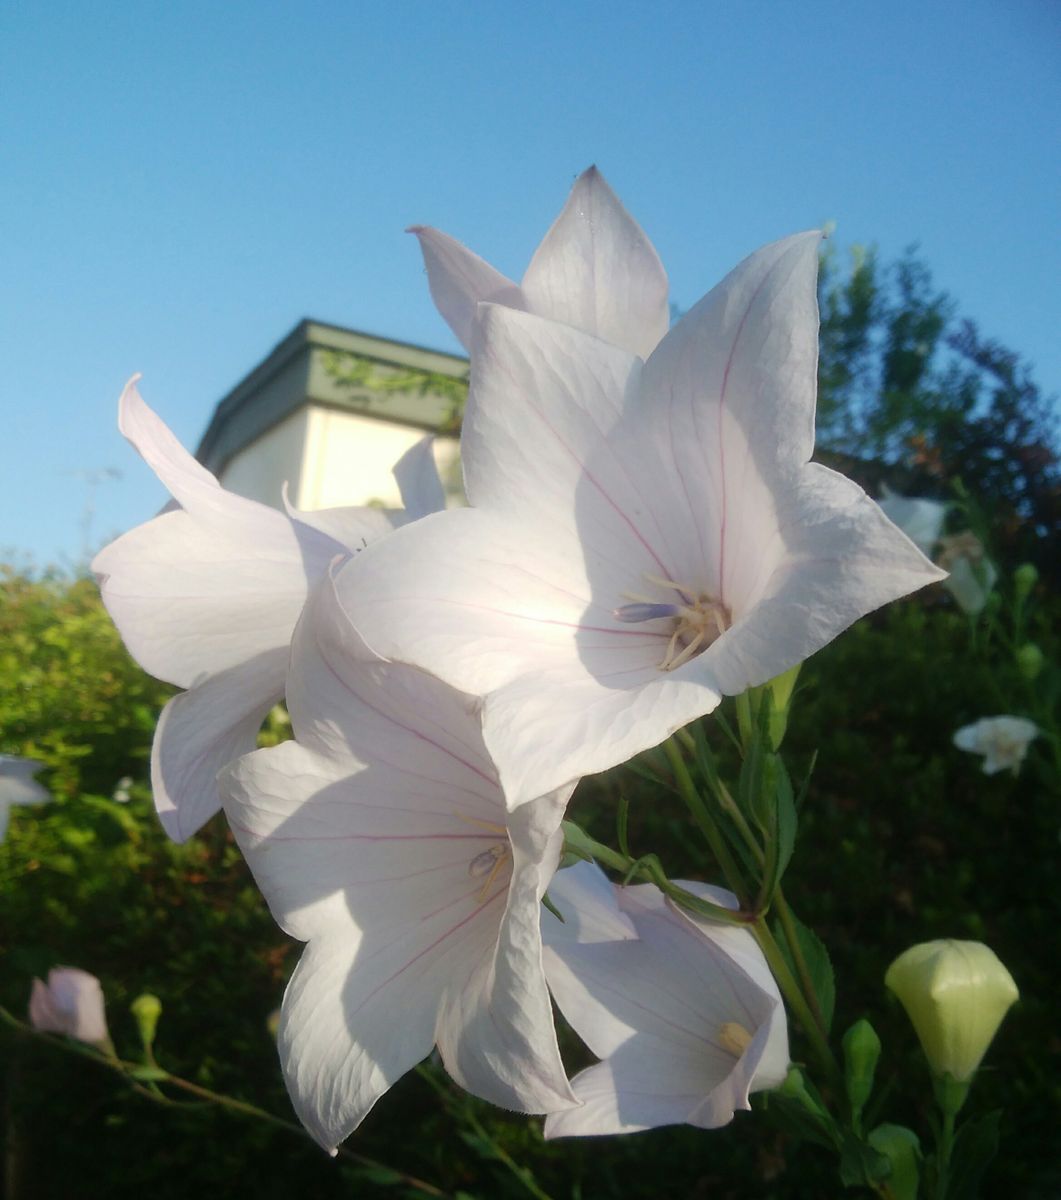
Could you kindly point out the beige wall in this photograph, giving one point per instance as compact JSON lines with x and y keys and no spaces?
{"x":260,"y":470}
{"x":332,"y":458}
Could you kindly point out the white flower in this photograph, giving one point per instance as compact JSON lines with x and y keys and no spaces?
{"x":594,"y":269}
{"x":1003,"y":741}
{"x":921,"y":520}
{"x":381,"y":838}
{"x":645,"y":537}
{"x":972,"y":573}
{"x":17,"y":786}
{"x":71,"y":1002}
{"x":206,"y":596}
{"x":683,"y":1012}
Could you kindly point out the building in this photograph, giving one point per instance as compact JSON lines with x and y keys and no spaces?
{"x":328,"y":412}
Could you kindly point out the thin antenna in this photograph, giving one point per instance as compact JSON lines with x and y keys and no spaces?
{"x":92,"y":477}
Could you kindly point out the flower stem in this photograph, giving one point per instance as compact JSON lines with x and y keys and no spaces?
{"x":794,"y":998}
{"x":694,"y":802}
{"x":205,"y":1095}
{"x":788,"y":924}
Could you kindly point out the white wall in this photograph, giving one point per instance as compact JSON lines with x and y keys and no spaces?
{"x":260,"y":470}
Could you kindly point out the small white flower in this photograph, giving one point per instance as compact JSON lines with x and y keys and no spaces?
{"x":17,"y":786}
{"x":683,"y":1012}
{"x":1003,"y":741}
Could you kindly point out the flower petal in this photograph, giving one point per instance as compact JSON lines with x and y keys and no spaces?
{"x":459,"y":280}
{"x":416,"y":474}
{"x":595,"y":269}
{"x":202,"y":730}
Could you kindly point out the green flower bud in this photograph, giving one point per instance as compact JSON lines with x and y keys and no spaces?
{"x":1029,"y":661}
{"x":901,"y":1148}
{"x":781,"y":688}
{"x":147,"y":1009}
{"x":955,"y":994}
{"x":1025,"y":577}
{"x":861,"y":1053}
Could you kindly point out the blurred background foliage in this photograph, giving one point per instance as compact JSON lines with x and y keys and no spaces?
{"x":902,"y":839}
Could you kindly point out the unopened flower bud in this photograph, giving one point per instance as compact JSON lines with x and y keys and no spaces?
{"x":147,"y":1009}
{"x":955,"y":994}
{"x":71,"y":1003}
{"x":1030,"y":661}
{"x":901,"y":1148}
{"x":1025,"y":577}
{"x":861,"y":1053}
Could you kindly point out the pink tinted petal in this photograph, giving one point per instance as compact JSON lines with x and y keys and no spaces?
{"x":495,"y":1030}
{"x":204,"y":729}
{"x":191,"y":599}
{"x":341,"y":1046}
{"x":459,"y":280}
{"x":728,"y":414}
{"x":418,"y":480}
{"x":596,"y":270}
{"x":70,"y":1003}
{"x":843,"y":558}
{"x":324,"y":533}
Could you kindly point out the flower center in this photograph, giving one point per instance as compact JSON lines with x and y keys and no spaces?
{"x":732,"y":1036}
{"x":488,"y":863}
{"x":698,"y":619}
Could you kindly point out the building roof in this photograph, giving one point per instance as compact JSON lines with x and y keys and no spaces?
{"x":301,"y":370}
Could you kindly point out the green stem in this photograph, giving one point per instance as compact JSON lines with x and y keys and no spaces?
{"x":943,"y":1153}
{"x":793,"y":995}
{"x":745,"y":721}
{"x":708,"y":828}
{"x":524,"y":1176}
{"x":788,"y":924}
{"x":649,"y":868}
{"x":127,"y":1069}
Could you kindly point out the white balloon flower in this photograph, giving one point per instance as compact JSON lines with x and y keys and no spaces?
{"x":1003,"y":741}
{"x":644,"y":537}
{"x":595,"y":269}
{"x":683,"y":1012}
{"x":17,"y":786}
{"x":381,"y":838}
{"x":206,"y":596}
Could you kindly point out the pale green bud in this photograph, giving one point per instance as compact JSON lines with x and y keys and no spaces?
{"x":1030,"y":661}
{"x":901,"y":1148}
{"x":955,"y":994}
{"x":781,"y":688}
{"x":861,"y":1053}
{"x":147,"y":1009}
{"x":1025,"y":577}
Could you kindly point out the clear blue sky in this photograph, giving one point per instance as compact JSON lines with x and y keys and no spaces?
{"x":180,"y":183}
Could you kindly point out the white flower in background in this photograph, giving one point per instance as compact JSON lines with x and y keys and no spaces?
{"x":594,"y":269}
{"x":121,"y":793}
{"x":645,"y":537}
{"x":921,"y":520}
{"x":17,"y":786}
{"x":71,"y":1002}
{"x":380,"y":837}
{"x":1003,"y":741}
{"x":972,"y":573}
{"x":206,"y":597}
{"x":683,"y":1012}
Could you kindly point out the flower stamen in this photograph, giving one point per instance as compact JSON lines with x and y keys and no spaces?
{"x":699,"y":619}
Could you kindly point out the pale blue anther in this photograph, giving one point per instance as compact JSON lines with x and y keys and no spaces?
{"x":646,"y":612}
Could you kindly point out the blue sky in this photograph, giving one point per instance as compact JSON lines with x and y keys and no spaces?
{"x":181,"y":183}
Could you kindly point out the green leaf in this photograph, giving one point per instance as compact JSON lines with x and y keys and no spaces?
{"x":819,"y":966}
{"x":861,"y":1165}
{"x":974,"y":1148}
